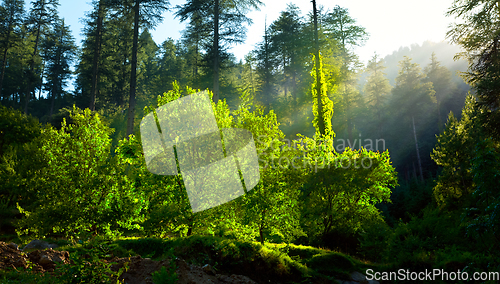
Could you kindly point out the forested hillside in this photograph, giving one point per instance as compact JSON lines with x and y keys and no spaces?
{"x":392,"y":165}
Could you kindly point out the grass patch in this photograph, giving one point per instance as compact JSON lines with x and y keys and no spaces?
{"x":274,"y":263}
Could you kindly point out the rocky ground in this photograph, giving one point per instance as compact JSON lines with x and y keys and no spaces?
{"x":43,"y":260}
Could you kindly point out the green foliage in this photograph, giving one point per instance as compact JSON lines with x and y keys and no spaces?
{"x":342,"y":27}
{"x":24,"y":276}
{"x":16,"y":128}
{"x":332,"y":264}
{"x":377,"y":87}
{"x":483,"y":214}
{"x":87,"y":267}
{"x":271,"y":208}
{"x":322,"y":105}
{"x":414,"y":244}
{"x":454,"y":151}
{"x":164,"y":276}
{"x":81,"y":188}
{"x":58,"y":53}
{"x":166,"y":199}
{"x":261,"y":263}
{"x":342,"y":189}
{"x":411,"y":94}
{"x":477,"y":34}
{"x":374,"y":240}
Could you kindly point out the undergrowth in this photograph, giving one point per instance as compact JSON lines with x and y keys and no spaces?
{"x":277,"y":263}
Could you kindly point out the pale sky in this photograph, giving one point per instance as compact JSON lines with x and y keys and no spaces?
{"x":390,"y":23}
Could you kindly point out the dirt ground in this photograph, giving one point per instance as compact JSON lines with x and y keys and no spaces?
{"x":140,"y":271}
{"x":43,"y":260}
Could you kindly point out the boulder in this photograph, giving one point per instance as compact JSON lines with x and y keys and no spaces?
{"x":37,"y":244}
{"x":48,"y":258}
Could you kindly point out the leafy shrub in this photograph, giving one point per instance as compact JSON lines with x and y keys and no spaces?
{"x":373,"y":240}
{"x":87,"y":267}
{"x":80,"y":188}
{"x":332,"y":264}
{"x":341,"y":192}
{"x":16,"y":129}
{"x":414,"y":244}
{"x":164,"y":276}
{"x":146,"y":247}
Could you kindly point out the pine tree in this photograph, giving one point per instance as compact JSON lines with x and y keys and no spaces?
{"x":411,"y":98}
{"x":440,"y":77}
{"x":151,"y":10}
{"x":148,"y":77}
{"x":339,"y":26}
{"x":100,"y":13}
{"x":195,"y":38}
{"x":377,"y":88}
{"x":58,"y":51}
{"x":42,"y":14}
{"x":11,"y":18}
{"x":113,"y":72}
{"x":478,"y":35}
{"x":228,"y":19}
{"x":285,"y":45}
{"x":265,"y":71}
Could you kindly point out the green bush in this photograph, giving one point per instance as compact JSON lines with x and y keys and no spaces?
{"x":87,"y":267}
{"x":414,"y":244}
{"x":16,"y":129}
{"x":332,"y":264}
{"x":164,"y":276}
{"x":79,"y":187}
{"x":373,"y":240}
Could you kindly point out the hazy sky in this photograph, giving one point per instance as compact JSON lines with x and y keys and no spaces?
{"x":390,"y":23}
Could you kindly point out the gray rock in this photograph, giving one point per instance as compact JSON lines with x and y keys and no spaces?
{"x":37,"y":244}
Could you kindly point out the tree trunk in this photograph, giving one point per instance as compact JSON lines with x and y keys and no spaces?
{"x":267,"y":89}
{"x":133,"y":71}
{"x":347,"y":114}
{"x":321,"y":120}
{"x":190,"y":227}
{"x":284,"y":77}
{"x":52,"y":101}
{"x":4,"y":62}
{"x":41,"y":79}
{"x":261,"y":234}
{"x":251,"y":80}
{"x":216,"y":52}
{"x":32,"y":69}
{"x":57,"y":83}
{"x":418,"y":152}
{"x":97,"y":52}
